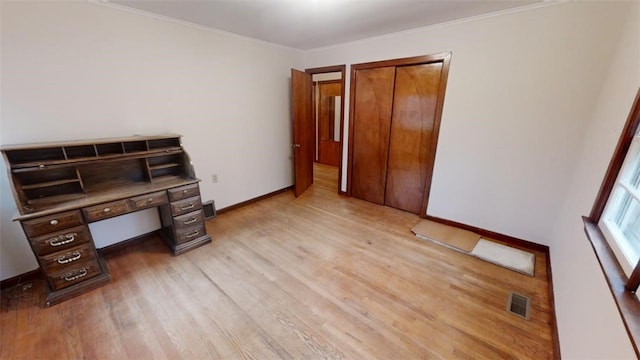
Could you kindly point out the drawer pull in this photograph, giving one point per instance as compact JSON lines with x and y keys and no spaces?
{"x":185,"y":191}
{"x":76,"y":275}
{"x":64,"y":239}
{"x":107,"y":210}
{"x":187,"y":222}
{"x":65,"y":260}
{"x":150,"y":200}
{"x":53,"y":222}
{"x":193,"y":234}
{"x":187,"y":207}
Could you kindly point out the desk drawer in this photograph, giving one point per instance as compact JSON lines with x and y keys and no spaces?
{"x":106,"y":210}
{"x":61,"y":240}
{"x":186,"y":205}
{"x":184,"y":192}
{"x":52,"y":223}
{"x":65,"y":259}
{"x":74,"y":274}
{"x":188,"y":220}
{"x":191,"y":233}
{"x":149,"y":200}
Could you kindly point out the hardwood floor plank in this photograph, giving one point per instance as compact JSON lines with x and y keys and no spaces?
{"x":274,"y":311}
{"x":347,"y":295}
{"x":321,"y":276}
{"x":318,"y":297}
{"x":196,"y":335}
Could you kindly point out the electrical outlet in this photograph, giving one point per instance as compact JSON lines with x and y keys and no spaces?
{"x":214,"y":178}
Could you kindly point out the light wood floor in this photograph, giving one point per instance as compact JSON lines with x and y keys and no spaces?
{"x":317,"y":277}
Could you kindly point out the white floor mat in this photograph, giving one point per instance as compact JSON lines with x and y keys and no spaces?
{"x":514,"y":259}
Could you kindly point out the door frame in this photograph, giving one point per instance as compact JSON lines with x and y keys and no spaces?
{"x":341,"y":69}
{"x":445,"y":58}
{"x":316,"y":88}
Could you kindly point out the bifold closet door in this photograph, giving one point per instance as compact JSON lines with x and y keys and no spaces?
{"x":411,"y":144}
{"x":371,"y":127}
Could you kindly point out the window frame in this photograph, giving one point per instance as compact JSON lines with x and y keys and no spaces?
{"x":622,"y":288}
{"x":624,"y":251}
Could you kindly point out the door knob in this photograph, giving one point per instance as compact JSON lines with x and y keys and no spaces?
{"x":295,"y":145}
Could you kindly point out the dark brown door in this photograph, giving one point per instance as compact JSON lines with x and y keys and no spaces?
{"x":303,"y":131}
{"x":411,"y":150}
{"x":371,"y":125}
{"x":329,"y":137}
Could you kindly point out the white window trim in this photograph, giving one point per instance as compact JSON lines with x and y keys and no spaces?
{"x":625,"y":254}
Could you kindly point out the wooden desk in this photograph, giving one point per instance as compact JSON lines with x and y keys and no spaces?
{"x":60,"y":188}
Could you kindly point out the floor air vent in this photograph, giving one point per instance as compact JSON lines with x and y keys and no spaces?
{"x":519,"y":305}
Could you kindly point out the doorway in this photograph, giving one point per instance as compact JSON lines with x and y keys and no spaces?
{"x":324,"y":118}
{"x":327,"y":95}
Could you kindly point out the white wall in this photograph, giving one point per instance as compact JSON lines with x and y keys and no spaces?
{"x":522,"y":92}
{"x":591,"y":322}
{"x":74,"y":70}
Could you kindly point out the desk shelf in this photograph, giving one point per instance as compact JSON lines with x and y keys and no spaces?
{"x":50,"y":183}
{"x":164,"y":166}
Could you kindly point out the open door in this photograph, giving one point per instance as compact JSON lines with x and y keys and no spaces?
{"x":303,"y":131}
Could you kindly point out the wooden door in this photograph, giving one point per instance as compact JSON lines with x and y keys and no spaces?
{"x":412,"y":144}
{"x":329,"y":137}
{"x":303,"y":131}
{"x":396,"y":106}
{"x":372,"y":105}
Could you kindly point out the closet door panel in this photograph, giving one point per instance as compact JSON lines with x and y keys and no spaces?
{"x":371,"y":126}
{"x":411,"y":145}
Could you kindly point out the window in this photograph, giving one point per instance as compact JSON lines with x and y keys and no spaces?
{"x":613,"y":227}
{"x":620,"y":222}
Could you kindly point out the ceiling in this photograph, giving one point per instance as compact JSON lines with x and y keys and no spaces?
{"x":310,"y":24}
